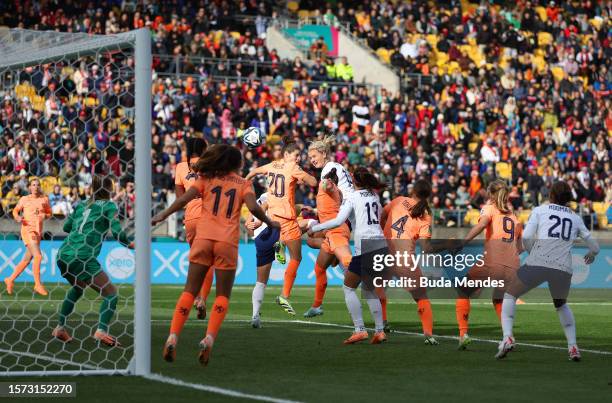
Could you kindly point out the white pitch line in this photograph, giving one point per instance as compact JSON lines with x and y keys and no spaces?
{"x":215,"y":389}
{"x":47,"y":358}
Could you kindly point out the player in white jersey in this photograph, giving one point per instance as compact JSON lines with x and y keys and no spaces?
{"x":549,"y":236}
{"x":364,"y":209}
{"x":265,"y":238}
{"x":333,"y":245}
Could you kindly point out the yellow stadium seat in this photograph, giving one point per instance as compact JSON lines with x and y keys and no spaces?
{"x":524,"y":216}
{"x":235,"y":34}
{"x":557,"y":73}
{"x":441,"y":58}
{"x":65,"y":190}
{"x":472,"y":147}
{"x":383,"y":54}
{"x":542,"y":13}
{"x":600,"y":207}
{"x":432,"y":40}
{"x":293,"y":6}
{"x":303,"y":14}
{"x":596,"y":22}
{"x":544,"y":38}
{"x":471,"y":217}
{"x":503,"y":170}
{"x":573,"y":205}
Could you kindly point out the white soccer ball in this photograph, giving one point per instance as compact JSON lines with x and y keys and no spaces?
{"x":253,"y":137}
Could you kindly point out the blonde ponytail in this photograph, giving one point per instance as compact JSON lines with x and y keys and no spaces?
{"x":323,"y":146}
{"x":499,"y":194}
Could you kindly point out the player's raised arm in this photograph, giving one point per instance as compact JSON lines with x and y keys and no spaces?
{"x":304,"y":177}
{"x":257,"y":171}
{"x":178,"y":204}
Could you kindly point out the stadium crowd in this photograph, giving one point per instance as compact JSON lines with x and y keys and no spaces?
{"x":501,"y":102}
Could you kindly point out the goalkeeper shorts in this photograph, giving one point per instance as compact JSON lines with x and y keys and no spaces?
{"x":74,"y":268}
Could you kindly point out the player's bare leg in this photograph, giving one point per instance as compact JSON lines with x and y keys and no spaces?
{"x":195,"y":276}
{"x":225,"y":282}
{"x":21,"y":266}
{"x":295,"y":253}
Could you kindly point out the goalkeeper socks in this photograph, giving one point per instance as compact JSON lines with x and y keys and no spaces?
{"x":72,"y":296}
{"x":376,"y":311}
{"x":462,"y":312}
{"x":507,"y":314}
{"x":107,"y":310}
{"x":354,"y":307}
{"x":426,"y":316}
{"x":181,"y":312}
{"x":383,"y":305}
{"x":36,"y":261}
{"x":217,"y":315}
{"x":290,"y":273}
{"x":566,"y":317}
{"x":320,"y":285}
{"x":257,"y":297}
{"x":21,"y":266}
{"x":207,"y":284}
{"x":497,"y":304}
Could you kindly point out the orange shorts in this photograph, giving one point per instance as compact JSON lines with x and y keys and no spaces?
{"x":290,"y":229}
{"x":335,"y":239}
{"x":190,"y":230}
{"x":29,"y":236}
{"x":217,"y":254}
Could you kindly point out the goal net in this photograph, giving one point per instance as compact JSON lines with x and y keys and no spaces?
{"x":73,"y":107}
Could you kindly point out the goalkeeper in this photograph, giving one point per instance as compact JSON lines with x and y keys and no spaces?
{"x":77,"y":258}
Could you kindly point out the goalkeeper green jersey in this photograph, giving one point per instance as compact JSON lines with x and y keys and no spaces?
{"x":87,"y":227}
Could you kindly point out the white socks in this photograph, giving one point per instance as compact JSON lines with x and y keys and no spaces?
{"x":507,"y":314}
{"x":354,"y":307}
{"x":257,"y":297}
{"x":566,"y":317}
{"x":376,"y":311}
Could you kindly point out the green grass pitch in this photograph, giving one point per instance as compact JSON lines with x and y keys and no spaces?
{"x":306,"y":361}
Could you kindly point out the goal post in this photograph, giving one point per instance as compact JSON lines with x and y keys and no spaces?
{"x":46,"y":77}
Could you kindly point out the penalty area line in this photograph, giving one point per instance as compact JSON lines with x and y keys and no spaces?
{"x":214,"y":389}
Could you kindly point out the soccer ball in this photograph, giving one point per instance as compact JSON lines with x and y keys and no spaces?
{"x":253,"y":137}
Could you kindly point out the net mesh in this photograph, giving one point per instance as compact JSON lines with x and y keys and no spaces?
{"x":67,"y":115}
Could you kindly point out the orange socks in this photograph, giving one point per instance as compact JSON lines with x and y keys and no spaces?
{"x":462,"y":310}
{"x":21,"y":266}
{"x":497,"y":304}
{"x":217,"y":315}
{"x":320,"y":285}
{"x":290,"y":273}
{"x":426,"y":315}
{"x":207,"y":284}
{"x":181,"y":312}
{"x":383,"y":304}
{"x":36,"y":269}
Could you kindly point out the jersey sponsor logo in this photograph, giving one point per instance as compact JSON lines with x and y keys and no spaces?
{"x":120,"y":263}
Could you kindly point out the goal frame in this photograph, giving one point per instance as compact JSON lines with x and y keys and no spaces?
{"x":16,"y":54}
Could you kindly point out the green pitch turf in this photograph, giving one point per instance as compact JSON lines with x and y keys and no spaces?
{"x":304,"y":360}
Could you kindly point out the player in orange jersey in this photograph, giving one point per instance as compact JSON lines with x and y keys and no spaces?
{"x":35,"y":208}
{"x":215,"y":244}
{"x":501,"y":253}
{"x":184,"y":178}
{"x":283,"y":176}
{"x":407,"y":220}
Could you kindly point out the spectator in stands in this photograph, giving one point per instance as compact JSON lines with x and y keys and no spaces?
{"x":344,"y":71}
